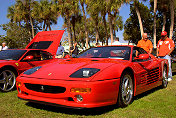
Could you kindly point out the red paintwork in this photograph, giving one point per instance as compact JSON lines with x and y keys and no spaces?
{"x":19,"y":66}
{"x":55,"y":36}
{"x":104,"y":84}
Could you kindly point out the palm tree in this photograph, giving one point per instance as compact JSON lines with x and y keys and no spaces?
{"x":172,"y":17}
{"x":21,"y":11}
{"x":82,"y":2}
{"x":93,"y":10}
{"x":112,"y":10}
{"x":154,"y":33}
{"x":46,"y":12}
{"x":139,"y":16}
{"x":103,"y":14}
{"x":65,"y":8}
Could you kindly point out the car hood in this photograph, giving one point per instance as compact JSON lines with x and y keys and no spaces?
{"x":46,"y":40}
{"x":63,"y":69}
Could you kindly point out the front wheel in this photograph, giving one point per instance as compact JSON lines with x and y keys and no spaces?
{"x":126,"y":90}
{"x":164,"y":78}
{"x":7,"y":80}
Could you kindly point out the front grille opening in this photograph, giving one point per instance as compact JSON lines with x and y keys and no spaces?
{"x":70,"y":99}
{"x":45,"y":88}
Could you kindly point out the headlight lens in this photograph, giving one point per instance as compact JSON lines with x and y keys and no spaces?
{"x":84,"y":73}
{"x":32,"y":70}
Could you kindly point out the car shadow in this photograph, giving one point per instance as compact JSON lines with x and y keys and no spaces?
{"x":71,"y":111}
{"x":86,"y":111}
{"x":147,"y":93}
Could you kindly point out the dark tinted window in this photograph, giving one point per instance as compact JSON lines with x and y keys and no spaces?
{"x":121,"y":52}
{"x":40,"y":45}
{"x":38,"y":55}
{"x":11,"y":54}
{"x":137,"y":51}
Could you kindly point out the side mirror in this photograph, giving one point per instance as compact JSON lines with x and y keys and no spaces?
{"x":28,"y":58}
{"x":67,"y":56}
{"x":142,"y":56}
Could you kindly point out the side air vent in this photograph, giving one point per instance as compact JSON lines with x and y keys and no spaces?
{"x":153,"y":75}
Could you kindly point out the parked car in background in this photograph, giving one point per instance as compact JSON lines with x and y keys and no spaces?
{"x":100,"y":76}
{"x":39,"y":51}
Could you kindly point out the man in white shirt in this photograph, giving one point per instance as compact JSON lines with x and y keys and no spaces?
{"x":116,"y":42}
{"x":3,"y":47}
{"x":60,"y":51}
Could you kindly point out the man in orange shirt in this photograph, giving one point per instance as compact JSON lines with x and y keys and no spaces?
{"x":145,"y":43}
{"x":165,"y":47}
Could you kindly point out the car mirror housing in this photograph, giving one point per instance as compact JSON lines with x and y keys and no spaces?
{"x":142,"y":56}
{"x":67,"y":56}
{"x":28,"y":58}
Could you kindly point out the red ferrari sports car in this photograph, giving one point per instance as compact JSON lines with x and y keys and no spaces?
{"x":15,"y":61}
{"x":100,"y":76}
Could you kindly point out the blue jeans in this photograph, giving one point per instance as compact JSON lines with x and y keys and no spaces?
{"x":169,"y":62}
{"x":74,"y":55}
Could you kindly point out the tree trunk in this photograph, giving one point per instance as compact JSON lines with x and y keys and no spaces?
{"x":139,"y":18}
{"x":73,"y":24}
{"x":106,"y":36}
{"x":110,"y":26}
{"x":44,"y":24}
{"x":32,"y":26}
{"x":96,"y":29}
{"x":68,"y":30}
{"x":154,"y":30}
{"x":97,"y":35}
{"x":85,"y":25}
{"x":172,"y":18}
{"x":164,"y":21}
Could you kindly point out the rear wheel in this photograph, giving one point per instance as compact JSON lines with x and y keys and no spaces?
{"x":164,"y":79}
{"x":126,"y":90}
{"x":7,"y":80}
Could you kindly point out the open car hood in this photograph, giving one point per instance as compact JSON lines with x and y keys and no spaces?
{"x":46,"y":40}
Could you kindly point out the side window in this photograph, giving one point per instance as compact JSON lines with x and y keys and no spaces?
{"x":45,"y":55}
{"x":36,"y":55}
{"x":136,"y":52}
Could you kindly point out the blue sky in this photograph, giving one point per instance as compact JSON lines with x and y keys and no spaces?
{"x":124,"y":12}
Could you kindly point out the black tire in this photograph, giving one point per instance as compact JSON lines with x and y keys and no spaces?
{"x":164,"y":78}
{"x":126,"y":90}
{"x":7,"y":80}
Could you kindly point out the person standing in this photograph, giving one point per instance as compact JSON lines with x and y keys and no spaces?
{"x":60,"y":51}
{"x":145,"y":43}
{"x":116,"y":42}
{"x":74,"y":50}
{"x":165,"y":47}
{"x":3,"y":47}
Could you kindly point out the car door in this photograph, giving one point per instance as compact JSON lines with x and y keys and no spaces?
{"x":147,"y":70}
{"x":39,"y":57}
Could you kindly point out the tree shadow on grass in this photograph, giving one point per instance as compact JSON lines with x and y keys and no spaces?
{"x":71,"y":111}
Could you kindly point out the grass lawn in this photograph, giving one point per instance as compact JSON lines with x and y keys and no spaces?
{"x":158,"y":103}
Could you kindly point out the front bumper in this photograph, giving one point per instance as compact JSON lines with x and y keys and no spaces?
{"x":102,"y":93}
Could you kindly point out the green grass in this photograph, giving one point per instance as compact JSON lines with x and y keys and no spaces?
{"x":158,"y":103}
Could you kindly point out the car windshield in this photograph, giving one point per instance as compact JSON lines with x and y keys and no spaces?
{"x":11,"y":54}
{"x":117,"y":52}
